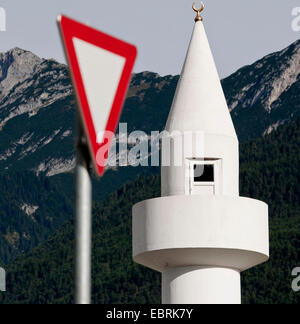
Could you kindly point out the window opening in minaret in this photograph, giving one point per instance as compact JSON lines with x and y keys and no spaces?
{"x":204,"y":173}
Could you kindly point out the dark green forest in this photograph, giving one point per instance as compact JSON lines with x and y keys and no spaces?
{"x":269,"y":172}
{"x":22,"y":230}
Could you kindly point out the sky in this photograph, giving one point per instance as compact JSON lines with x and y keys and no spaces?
{"x":239,"y":31}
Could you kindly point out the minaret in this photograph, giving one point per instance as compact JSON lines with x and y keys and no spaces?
{"x":200,"y":234}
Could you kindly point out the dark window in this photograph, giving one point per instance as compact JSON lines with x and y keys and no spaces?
{"x":204,"y":173}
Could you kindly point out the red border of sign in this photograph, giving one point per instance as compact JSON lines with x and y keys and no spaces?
{"x":69,"y":29}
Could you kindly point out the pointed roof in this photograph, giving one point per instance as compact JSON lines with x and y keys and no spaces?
{"x":199,"y":103}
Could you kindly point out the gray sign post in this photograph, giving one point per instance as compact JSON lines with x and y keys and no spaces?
{"x":83,"y":222}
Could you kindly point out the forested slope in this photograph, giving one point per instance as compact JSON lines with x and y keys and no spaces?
{"x":269,"y":171}
{"x":32,"y":208}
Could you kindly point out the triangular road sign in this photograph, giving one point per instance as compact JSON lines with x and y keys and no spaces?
{"x":101,"y":68}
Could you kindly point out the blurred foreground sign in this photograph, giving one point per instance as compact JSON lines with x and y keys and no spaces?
{"x":101,"y":68}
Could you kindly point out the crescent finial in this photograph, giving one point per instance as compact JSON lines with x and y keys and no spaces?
{"x":198,"y":17}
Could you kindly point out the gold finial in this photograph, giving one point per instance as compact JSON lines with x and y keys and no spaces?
{"x":198,"y":17}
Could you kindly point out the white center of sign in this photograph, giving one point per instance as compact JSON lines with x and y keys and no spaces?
{"x":101,"y":72}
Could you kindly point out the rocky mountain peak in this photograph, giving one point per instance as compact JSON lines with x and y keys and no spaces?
{"x":288,"y":73}
{"x":266,"y":80}
{"x":15,"y":66}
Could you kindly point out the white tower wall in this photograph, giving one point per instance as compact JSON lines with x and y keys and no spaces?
{"x":201,"y":285}
{"x":199,"y":107}
{"x":200,"y":234}
{"x":211,"y":146}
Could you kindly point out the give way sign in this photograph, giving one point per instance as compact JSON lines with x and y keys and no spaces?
{"x":101,"y":67}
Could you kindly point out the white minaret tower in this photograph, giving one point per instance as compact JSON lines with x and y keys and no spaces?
{"x":200,"y":234}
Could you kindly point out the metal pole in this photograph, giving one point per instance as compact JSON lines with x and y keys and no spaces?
{"x":83,"y":223}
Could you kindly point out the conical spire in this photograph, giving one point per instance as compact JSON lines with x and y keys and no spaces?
{"x":199,"y":103}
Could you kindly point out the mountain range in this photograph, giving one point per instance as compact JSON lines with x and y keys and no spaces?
{"x":37,"y":106}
